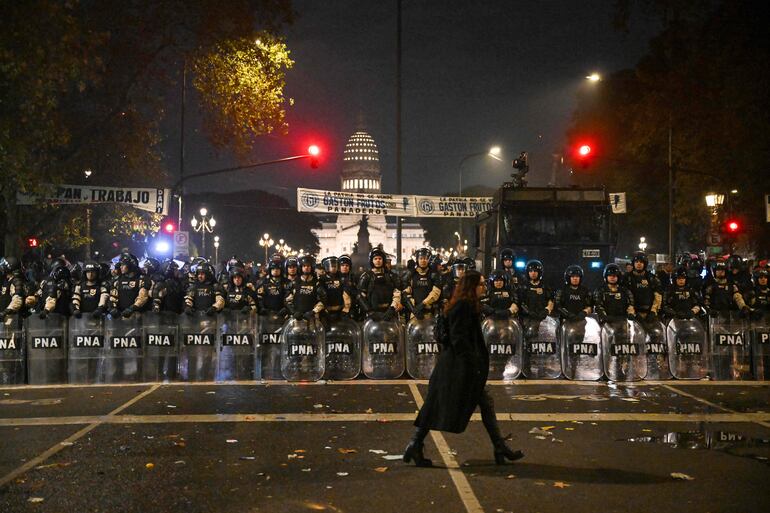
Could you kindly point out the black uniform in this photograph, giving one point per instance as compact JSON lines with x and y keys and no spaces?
{"x":682,"y":302}
{"x":240,"y":297}
{"x":573,"y":302}
{"x":500,"y":303}
{"x":647,"y":291}
{"x":130,"y":293}
{"x":307,"y":298}
{"x":722,"y":296}
{"x":167,"y":296}
{"x":89,"y":297}
{"x":204,"y":296}
{"x":535,"y":299}
{"x":12,"y":294}
{"x":613,"y":301}
{"x":421,"y":291}
{"x":378,"y":292}
{"x":336,"y":298}
{"x":272,"y":292}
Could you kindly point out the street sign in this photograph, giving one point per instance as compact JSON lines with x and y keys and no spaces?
{"x":618,"y":202}
{"x":181,"y":244}
{"x":592,"y":253}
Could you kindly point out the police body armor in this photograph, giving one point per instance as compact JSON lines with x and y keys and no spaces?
{"x":623,"y":347}
{"x":272,"y":292}
{"x":167,"y":296}
{"x":126,"y":288}
{"x":46,"y":349}
{"x":687,"y":348}
{"x":581,"y":349}
{"x":643,"y":286}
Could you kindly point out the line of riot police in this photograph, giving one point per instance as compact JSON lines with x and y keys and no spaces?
{"x":321,"y":320}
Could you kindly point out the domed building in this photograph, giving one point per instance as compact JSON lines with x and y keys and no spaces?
{"x":361,"y":173}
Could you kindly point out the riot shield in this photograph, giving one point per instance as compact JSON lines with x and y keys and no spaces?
{"x":237,"y":333}
{"x":730,"y":348}
{"x":656,"y":348}
{"x":199,"y":347}
{"x":687,"y":349}
{"x":421,"y":347}
{"x":504,"y":339}
{"x":268,"y":365}
{"x":383,"y":343}
{"x":581,"y":350}
{"x":86,"y":340}
{"x":46,"y":349}
{"x":122,"y":352}
{"x":541,"y":357}
{"x":623,"y":344}
{"x":343,"y":349}
{"x":760,"y":348}
{"x":12,"y":352}
{"x":302,"y":350}
{"x":160,"y":333}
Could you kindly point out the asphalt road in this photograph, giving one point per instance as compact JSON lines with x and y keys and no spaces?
{"x":674,"y":446}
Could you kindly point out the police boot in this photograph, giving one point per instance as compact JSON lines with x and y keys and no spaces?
{"x":414,"y":452}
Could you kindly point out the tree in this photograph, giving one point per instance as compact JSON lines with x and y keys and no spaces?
{"x":85,"y":84}
{"x":705,"y":78}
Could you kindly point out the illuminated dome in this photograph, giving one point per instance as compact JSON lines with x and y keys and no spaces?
{"x":361,"y":164}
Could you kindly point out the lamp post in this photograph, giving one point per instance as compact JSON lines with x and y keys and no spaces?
{"x":714,"y":202}
{"x":206,"y":224}
{"x":282,"y":247}
{"x":216,"y":248}
{"x":266,"y":242}
{"x":87,"y":173}
{"x":642,"y":244}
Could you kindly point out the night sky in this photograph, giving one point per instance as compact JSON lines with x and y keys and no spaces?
{"x":475,"y":74}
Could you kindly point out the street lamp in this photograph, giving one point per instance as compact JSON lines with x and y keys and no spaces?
{"x":206,"y":224}
{"x":282,"y":247}
{"x":266,"y":242}
{"x":642,"y":243}
{"x":493,"y":152}
{"x":216,"y":248}
{"x":594,"y":77}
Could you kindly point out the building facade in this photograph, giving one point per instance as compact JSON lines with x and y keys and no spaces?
{"x":361,"y":173}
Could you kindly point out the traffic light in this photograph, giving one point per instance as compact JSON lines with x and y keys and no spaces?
{"x":32,"y":242}
{"x":169,"y":226}
{"x":584,"y":154}
{"x":314,"y":151}
{"x":733,"y":226}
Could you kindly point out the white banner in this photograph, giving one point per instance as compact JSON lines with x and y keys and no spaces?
{"x":148,"y":199}
{"x":451,"y":206}
{"x":336,"y":202}
{"x":618,"y":202}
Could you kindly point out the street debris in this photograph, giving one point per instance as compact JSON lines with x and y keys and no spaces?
{"x":342,"y":474}
{"x":35,"y":499}
{"x":392,"y":457}
{"x":681,"y":476}
{"x":381,"y":469}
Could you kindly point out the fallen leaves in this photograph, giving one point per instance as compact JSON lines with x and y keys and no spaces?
{"x":681,"y":476}
{"x":381,"y":469}
{"x":561,"y":484}
{"x":346,"y":451}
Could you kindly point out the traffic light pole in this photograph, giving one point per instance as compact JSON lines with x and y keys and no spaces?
{"x":398,"y":127}
{"x":670,"y":198}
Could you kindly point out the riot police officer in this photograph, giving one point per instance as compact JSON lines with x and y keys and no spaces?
{"x":458,"y":270}
{"x":167,"y":291}
{"x":12,"y":287}
{"x":573,"y":301}
{"x":500,"y":302}
{"x":130,"y":290}
{"x":645,"y":287}
{"x":273,"y":291}
{"x":337,"y":301}
{"x":738,"y":274}
{"x":55,"y":292}
{"x":508,"y":266}
{"x":422,"y":289}
{"x":238,"y":294}
{"x":760,"y":297}
{"x":306,"y":300}
{"x":682,"y":301}
{"x":612,"y":299}
{"x":722,"y":296}
{"x":292,"y":266}
{"x":151,"y":269}
{"x":90,"y":294}
{"x":378,"y":292}
{"x":205,"y":295}
{"x":535,"y":299}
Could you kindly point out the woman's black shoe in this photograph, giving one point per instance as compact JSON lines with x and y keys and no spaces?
{"x":413,"y":451}
{"x":503,"y":452}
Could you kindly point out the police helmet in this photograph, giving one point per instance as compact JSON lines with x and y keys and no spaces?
{"x":469,"y":262}
{"x":237,"y":271}
{"x":498,"y":275}
{"x":345,"y":259}
{"x":169,"y":269}
{"x":59,"y":270}
{"x":762,"y":272}
{"x":128,"y":260}
{"x":205,"y":268}
{"x":640,"y":256}
{"x":92,"y":267}
{"x":307,"y":260}
{"x":459,"y":265}
{"x":735,"y":262}
{"x":422,"y":252}
{"x":234,"y":262}
{"x":573,"y":270}
{"x":611,"y":270}
{"x":434,"y":262}
{"x":151,"y":266}
{"x":274,"y":265}
{"x":9,"y":265}
{"x":331,"y":264}
{"x":680,"y":272}
{"x":535,"y":265}
{"x":377,"y":252}
{"x":719,"y":265}
{"x":507,"y":254}
{"x":291,"y":262}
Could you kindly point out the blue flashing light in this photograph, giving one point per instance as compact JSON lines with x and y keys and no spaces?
{"x":162,"y":247}
{"x":521,"y":264}
{"x":596,"y":264}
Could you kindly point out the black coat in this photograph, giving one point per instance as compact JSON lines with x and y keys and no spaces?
{"x":460,"y":374}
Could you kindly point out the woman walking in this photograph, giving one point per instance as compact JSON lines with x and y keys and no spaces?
{"x":458,"y":382}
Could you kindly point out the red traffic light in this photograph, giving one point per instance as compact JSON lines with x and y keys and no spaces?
{"x":584,"y":150}
{"x":733,"y":226}
{"x":32,"y":242}
{"x":314,"y":150}
{"x":169,"y":227}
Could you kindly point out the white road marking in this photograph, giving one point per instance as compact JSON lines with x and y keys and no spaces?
{"x":762,"y":421}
